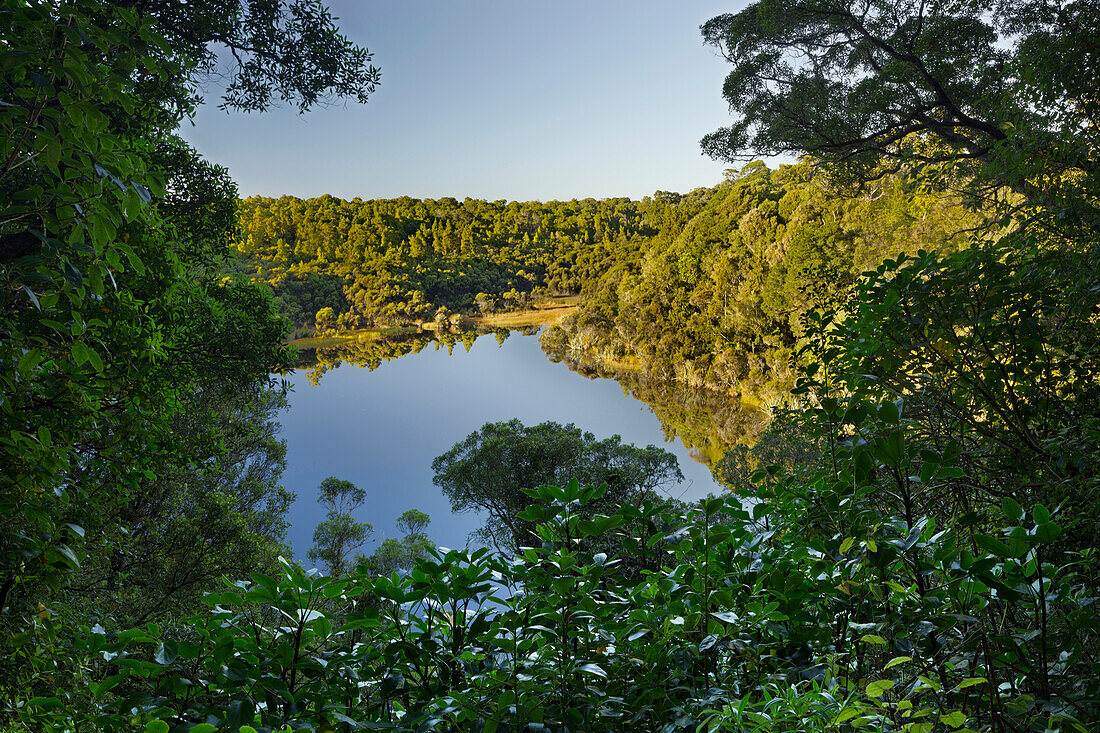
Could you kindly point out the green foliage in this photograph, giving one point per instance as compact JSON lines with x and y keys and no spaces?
{"x":339,"y":535}
{"x":708,"y":288}
{"x":984,"y":93}
{"x":413,"y":522}
{"x":718,"y":299}
{"x":916,"y":547}
{"x":822,"y":610}
{"x":112,"y":318}
{"x":708,"y":422}
{"x":391,"y":262}
{"x":137,"y":457}
{"x":995,"y":353}
{"x":401,"y":555}
{"x":221,"y":513}
{"x":283,"y":52}
{"x":495,"y":468}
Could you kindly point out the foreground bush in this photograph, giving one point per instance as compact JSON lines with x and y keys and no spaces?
{"x":737,"y":623}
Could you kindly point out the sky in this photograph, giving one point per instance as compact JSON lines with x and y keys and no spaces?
{"x":497,"y":99}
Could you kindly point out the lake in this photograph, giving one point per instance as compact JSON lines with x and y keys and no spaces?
{"x":381,"y":428}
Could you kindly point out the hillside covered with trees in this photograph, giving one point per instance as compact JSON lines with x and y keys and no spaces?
{"x":709,"y":288}
{"x":387,"y":262}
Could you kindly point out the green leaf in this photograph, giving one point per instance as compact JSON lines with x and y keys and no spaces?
{"x":98,"y":688}
{"x":911,"y":539}
{"x":1018,"y":543}
{"x":94,"y":359}
{"x":1040,"y":514}
{"x":157,"y":726}
{"x":993,"y":545}
{"x":1048,"y":532}
{"x":340,"y":717}
{"x":890,"y":412}
{"x":846,"y":545}
{"x":879,"y":687}
{"x":847,"y":714}
{"x":202,"y":728}
{"x":970,"y":683}
{"x":593,"y":669}
{"x":44,"y":703}
{"x":954,"y":719}
{"x":873,"y":639}
{"x":1012,"y":509}
{"x":73,"y":275}
{"x":68,"y":556}
{"x":29,"y":360}
{"x":33,"y":297}
{"x":896,"y":661}
{"x":369,"y":621}
{"x":322,"y":626}
{"x":52,"y":152}
{"x":80,"y":352}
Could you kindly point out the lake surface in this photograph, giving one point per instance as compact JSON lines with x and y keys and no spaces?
{"x":381,"y":429}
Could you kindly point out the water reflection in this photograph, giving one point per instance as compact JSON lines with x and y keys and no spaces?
{"x":370,"y":349}
{"x":377,"y":409}
{"x":708,"y":423}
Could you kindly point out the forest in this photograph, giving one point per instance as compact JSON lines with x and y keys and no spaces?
{"x":909,"y":544}
{"x":707,"y":288}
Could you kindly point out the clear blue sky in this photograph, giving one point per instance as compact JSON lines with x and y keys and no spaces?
{"x":501,"y":99}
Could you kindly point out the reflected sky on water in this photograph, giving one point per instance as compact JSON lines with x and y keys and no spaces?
{"x":381,"y":429}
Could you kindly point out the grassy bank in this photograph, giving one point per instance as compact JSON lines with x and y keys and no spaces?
{"x":543,"y":313}
{"x":368,"y":334}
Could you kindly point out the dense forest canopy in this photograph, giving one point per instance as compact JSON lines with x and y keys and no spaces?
{"x":398,"y":261}
{"x":912,"y":544}
{"x":707,"y":287}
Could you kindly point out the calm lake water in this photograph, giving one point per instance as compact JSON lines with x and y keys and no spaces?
{"x":381,"y":429}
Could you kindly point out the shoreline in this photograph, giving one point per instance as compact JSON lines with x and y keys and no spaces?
{"x":544,"y":313}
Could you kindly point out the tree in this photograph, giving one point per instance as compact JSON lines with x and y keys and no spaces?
{"x":413,"y":523}
{"x":325,"y":320}
{"x":492,"y":469}
{"x":994,"y":89}
{"x":394,"y":554}
{"x":115,"y":314}
{"x":954,"y":395}
{"x":339,"y":535}
{"x":221,"y":514}
{"x":280,"y":51}
{"x":484,"y":303}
